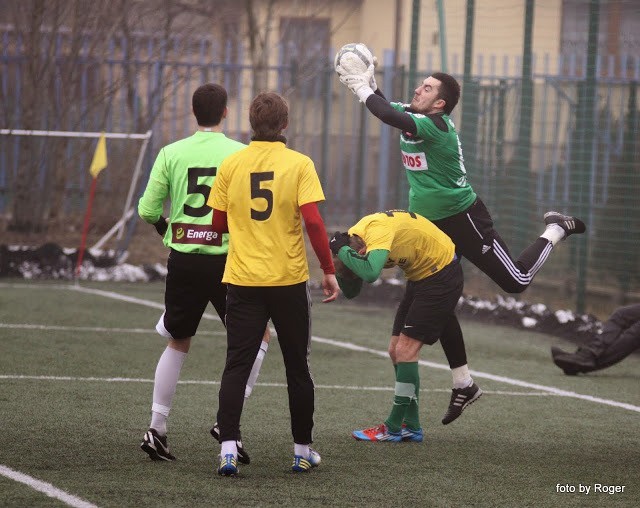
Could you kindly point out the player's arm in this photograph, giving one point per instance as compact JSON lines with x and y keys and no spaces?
{"x":368,"y":266}
{"x":217,"y":200}
{"x":379,"y":93}
{"x":151,"y":203}
{"x":219,"y":222}
{"x":363,"y":86}
{"x":318,"y":238}
{"x":382,"y":109}
{"x":350,"y":287}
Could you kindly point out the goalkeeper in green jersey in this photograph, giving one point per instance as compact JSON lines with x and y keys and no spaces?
{"x":425,"y":314}
{"x":184,"y":173}
{"x":439,"y":190}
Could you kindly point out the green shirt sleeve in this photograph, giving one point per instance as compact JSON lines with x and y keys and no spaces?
{"x":367,"y":267}
{"x":150,"y":206}
{"x":350,"y":287}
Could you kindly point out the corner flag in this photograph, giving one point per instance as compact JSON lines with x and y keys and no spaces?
{"x":99,"y":161}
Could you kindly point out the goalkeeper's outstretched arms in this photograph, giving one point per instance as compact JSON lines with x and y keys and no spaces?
{"x":360,"y":84}
{"x":378,"y":105}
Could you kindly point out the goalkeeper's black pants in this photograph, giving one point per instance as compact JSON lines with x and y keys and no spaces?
{"x":475,"y":239}
{"x":248,"y":311}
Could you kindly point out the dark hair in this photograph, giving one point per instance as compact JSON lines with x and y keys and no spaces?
{"x":268,"y":116}
{"x":449,"y":90}
{"x":356,"y":243}
{"x":208,"y":103}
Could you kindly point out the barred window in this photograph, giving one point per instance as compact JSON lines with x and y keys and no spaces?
{"x":305,"y":46}
{"x":618,"y":34}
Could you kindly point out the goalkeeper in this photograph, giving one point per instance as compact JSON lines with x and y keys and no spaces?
{"x":184,"y":172}
{"x":425,"y":314}
{"x":432,"y":157}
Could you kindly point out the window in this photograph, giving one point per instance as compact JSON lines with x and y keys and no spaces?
{"x":305,"y":44}
{"x":618,"y":34}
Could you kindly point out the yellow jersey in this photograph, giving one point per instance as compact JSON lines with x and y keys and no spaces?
{"x":414,"y":243}
{"x":261,"y":188}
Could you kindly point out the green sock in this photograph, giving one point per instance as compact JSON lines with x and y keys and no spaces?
{"x":407,"y":380}
{"x":412,"y":416}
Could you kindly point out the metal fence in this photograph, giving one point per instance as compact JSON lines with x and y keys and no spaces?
{"x":569,"y":161}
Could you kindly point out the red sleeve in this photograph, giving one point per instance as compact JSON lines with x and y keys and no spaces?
{"x":219,"y":221}
{"x":318,"y":236}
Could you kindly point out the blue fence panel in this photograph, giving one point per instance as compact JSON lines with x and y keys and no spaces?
{"x":148,"y":82}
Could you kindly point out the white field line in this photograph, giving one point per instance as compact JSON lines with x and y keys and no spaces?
{"x":486,"y":375}
{"x":271,"y":385}
{"x":45,"y":488}
{"x":354,"y":347}
{"x":27,"y":326}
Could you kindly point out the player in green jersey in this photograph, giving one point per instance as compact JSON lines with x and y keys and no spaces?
{"x":184,"y":173}
{"x":439,"y":190}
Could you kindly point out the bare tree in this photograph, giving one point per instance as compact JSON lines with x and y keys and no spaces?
{"x":49,"y":38}
{"x":75,"y":59}
{"x":61,"y":47}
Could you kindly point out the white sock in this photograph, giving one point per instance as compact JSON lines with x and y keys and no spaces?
{"x":227,"y":447}
{"x":461,"y":377}
{"x":301,"y":449}
{"x":164,"y":387}
{"x":553,"y":233}
{"x":255,"y":370}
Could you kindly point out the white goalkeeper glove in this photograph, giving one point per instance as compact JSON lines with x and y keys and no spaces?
{"x":372,"y":81}
{"x":360,"y":84}
{"x":352,"y":58}
{"x":353,"y":67}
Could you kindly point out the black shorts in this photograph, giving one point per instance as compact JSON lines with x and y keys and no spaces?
{"x":428,"y":304}
{"x":193,"y":280}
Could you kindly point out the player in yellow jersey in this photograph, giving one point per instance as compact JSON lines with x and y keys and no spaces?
{"x":427,"y":310}
{"x":183,"y":173}
{"x":260,"y":196}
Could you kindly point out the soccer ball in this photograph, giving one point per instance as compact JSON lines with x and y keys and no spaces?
{"x":353,"y":58}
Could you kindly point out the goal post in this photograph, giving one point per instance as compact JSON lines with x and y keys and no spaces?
{"x":128,"y":209}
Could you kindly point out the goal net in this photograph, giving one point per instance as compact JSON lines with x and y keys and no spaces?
{"x":45,"y":182}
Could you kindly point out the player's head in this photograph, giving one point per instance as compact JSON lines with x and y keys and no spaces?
{"x":209,"y":103}
{"x":438,"y":92}
{"x":268,"y":116}
{"x":357,"y":244}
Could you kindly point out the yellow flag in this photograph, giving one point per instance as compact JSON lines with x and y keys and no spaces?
{"x":99,"y":161}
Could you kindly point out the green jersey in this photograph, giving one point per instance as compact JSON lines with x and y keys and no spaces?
{"x":435,"y":167}
{"x":184,"y":172}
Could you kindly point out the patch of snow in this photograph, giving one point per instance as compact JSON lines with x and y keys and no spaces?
{"x":564,"y":316}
